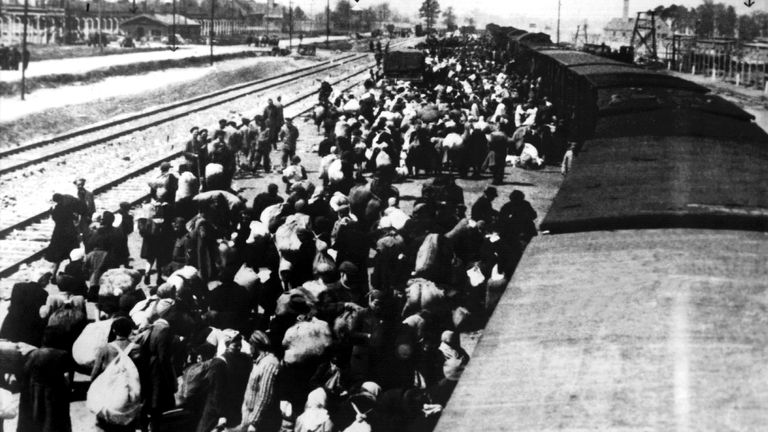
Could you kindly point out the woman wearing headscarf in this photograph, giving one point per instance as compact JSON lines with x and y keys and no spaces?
{"x":23,"y":322}
{"x":315,"y":417}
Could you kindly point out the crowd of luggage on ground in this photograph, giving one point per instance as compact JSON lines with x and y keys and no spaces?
{"x":318,"y":306}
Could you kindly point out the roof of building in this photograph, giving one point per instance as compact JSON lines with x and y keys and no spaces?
{"x":164,"y":19}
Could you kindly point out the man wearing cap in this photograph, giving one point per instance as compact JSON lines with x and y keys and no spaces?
{"x":261,"y":407}
{"x":289,"y":135}
{"x":86,"y":197}
{"x":343,"y":295}
{"x":163,"y":189}
{"x":482,"y":209}
{"x":272,"y":122}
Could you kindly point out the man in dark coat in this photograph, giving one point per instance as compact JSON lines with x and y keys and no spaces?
{"x":65,"y":235}
{"x":483,"y":210}
{"x":272,"y":121}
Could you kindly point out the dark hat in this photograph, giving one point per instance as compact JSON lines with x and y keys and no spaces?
{"x":194,"y":129}
{"x":165,"y":166}
{"x":491,"y":191}
{"x":348,"y":268}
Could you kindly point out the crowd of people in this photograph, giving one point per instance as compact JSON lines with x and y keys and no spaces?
{"x":322,"y":308}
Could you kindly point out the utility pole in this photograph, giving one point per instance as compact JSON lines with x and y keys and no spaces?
{"x":328,"y":25}
{"x":24,"y":49}
{"x":101,"y":44}
{"x":213,"y":8}
{"x":290,"y":25}
{"x":558,"y":20}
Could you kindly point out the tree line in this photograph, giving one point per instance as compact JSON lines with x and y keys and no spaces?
{"x":711,"y":19}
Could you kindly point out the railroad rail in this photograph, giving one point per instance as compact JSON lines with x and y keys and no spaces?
{"x":25,"y":241}
{"x":42,"y":150}
{"x":60,"y":159}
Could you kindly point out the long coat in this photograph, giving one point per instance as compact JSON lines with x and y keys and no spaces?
{"x":44,"y":400}
{"x":23,"y":322}
{"x":65,"y":236}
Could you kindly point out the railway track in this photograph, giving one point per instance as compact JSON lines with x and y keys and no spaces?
{"x":25,"y":241}
{"x":46,"y":149}
{"x":134,"y":144}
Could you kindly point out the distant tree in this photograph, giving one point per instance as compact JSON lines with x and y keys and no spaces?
{"x":429,"y":12}
{"x":383,"y":12}
{"x":726,"y":20}
{"x":469,"y":21}
{"x":748,"y":28}
{"x":390,"y":28}
{"x":341,"y":15}
{"x":449,"y":19}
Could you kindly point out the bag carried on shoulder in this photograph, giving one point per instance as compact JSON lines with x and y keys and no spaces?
{"x":115,"y":395}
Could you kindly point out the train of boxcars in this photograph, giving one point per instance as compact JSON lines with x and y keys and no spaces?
{"x":643,"y":305}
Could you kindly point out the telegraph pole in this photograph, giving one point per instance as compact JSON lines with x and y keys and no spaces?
{"x":290,"y":25}
{"x":213,"y":7}
{"x":24,"y":49}
{"x":558,"y":20}
{"x":328,"y":25}
{"x":101,"y":44}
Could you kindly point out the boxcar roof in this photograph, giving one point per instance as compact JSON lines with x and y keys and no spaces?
{"x":573,"y":58}
{"x":663,"y":182}
{"x":624,"y":331}
{"x":624,"y":75}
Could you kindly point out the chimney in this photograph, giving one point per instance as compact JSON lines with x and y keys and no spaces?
{"x":626,"y":10}
{"x":270,"y":5}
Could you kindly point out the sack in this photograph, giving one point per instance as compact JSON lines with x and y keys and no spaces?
{"x":246,"y":277}
{"x":87,"y":345}
{"x":453,"y":141}
{"x":335,"y":173}
{"x":286,"y":238}
{"x":422,"y":294}
{"x":259,"y":231}
{"x":476,"y":276}
{"x":116,"y":282}
{"x":69,"y":317}
{"x":270,"y":215}
{"x":383,"y":160}
{"x":115,"y":395}
{"x":306,"y":340}
{"x":427,"y":256}
{"x":9,"y":406}
{"x":323,"y":263}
